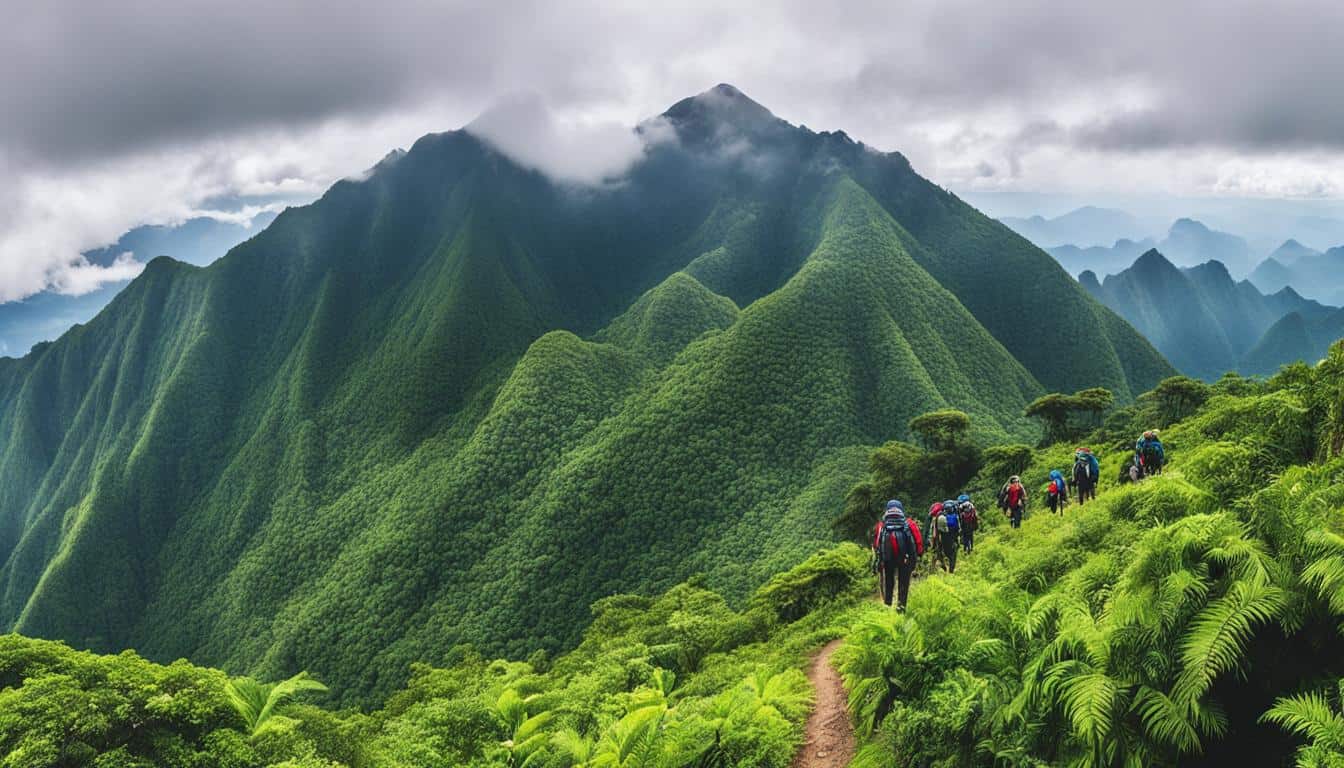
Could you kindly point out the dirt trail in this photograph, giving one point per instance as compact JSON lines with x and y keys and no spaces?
{"x":830,"y":737}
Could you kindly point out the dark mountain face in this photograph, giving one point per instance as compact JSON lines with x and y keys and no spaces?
{"x":457,"y":403}
{"x":1206,"y":323}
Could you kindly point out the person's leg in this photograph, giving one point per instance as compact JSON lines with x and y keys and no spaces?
{"x":952,"y":557}
{"x":903,"y":576}
{"x":888,"y":576}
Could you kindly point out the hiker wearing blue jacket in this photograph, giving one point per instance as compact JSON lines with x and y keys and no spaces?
{"x":1149,"y":456}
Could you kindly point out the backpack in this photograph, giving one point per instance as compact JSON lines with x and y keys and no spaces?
{"x":951,"y":520}
{"x":1052,"y":488}
{"x":970,"y":521}
{"x":1058,"y":478}
{"x":1003,"y":496}
{"x":898,"y":544}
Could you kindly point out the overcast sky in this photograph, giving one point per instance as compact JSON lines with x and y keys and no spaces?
{"x":142,"y":111}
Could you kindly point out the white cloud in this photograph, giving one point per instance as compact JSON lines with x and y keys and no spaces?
{"x":572,"y":148}
{"x":83,"y":277}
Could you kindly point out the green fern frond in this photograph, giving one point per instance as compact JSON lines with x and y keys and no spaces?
{"x":1215,"y":640}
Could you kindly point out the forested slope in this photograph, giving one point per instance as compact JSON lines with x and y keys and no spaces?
{"x":455,"y":401}
{"x":1191,"y":619}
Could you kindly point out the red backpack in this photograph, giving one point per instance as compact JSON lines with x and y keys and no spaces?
{"x":969,"y":519}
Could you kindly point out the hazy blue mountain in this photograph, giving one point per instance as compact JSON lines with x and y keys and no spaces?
{"x":1100,"y":259}
{"x":1203,"y":320}
{"x":1190,"y":242}
{"x":1086,"y":226}
{"x":1291,"y":251}
{"x":1271,"y":275}
{"x":44,"y":316}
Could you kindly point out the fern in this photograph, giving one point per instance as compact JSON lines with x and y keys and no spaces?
{"x":1215,"y":640}
{"x":261,"y":705}
{"x":1312,"y":716}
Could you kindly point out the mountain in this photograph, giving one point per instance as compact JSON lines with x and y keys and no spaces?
{"x":1189,"y":243}
{"x":1206,"y":323}
{"x":455,"y":402}
{"x":46,"y":315}
{"x":1271,"y":275}
{"x":1086,"y":226}
{"x":1292,"y":251}
{"x":1315,"y":274}
{"x":1099,"y":259}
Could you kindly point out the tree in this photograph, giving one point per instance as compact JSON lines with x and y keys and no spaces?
{"x":1069,"y":416}
{"x":1093,"y":402}
{"x":1177,"y":397}
{"x":261,"y":705}
{"x":940,"y":430}
{"x":1053,"y":411}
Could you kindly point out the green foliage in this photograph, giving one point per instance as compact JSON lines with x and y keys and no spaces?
{"x":941,"y":430}
{"x":609,"y":702}
{"x":1178,"y":397}
{"x":1317,"y":717}
{"x":1066,"y":417}
{"x":261,"y":706}
{"x":1153,"y":626}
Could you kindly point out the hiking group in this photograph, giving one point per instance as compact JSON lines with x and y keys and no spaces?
{"x":898,"y":541}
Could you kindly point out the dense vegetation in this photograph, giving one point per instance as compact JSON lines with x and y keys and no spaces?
{"x":1193,"y":618}
{"x":455,"y":402}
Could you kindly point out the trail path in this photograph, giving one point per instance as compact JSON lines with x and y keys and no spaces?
{"x":830,"y":738}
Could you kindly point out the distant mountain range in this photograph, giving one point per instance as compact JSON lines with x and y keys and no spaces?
{"x":1086,"y":226}
{"x":1315,"y":274}
{"x":1206,"y":323}
{"x":45,"y":316}
{"x":1187,"y":244}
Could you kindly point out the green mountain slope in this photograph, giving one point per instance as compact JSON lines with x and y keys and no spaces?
{"x":1188,"y":619}
{"x":457,"y":403}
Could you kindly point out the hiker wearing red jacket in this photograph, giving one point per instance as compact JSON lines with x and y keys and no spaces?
{"x":1013,"y":500}
{"x":897,"y":546}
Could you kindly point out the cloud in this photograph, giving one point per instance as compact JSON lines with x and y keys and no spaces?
{"x":83,"y":277}
{"x":577,"y":150}
{"x":143,"y":111}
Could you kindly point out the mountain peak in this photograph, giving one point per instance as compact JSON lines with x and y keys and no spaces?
{"x":1151,"y":260}
{"x":707,"y":113}
{"x":1188,"y":226}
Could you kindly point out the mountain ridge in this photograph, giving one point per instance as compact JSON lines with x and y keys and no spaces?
{"x":438,"y":404}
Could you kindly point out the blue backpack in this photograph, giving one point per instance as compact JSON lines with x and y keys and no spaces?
{"x":952,"y":516}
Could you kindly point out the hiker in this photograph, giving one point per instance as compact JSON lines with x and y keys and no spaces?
{"x":1057,"y":492}
{"x":897,"y":544}
{"x":1086,"y":470}
{"x":1136,"y":470}
{"x":933,"y":544}
{"x":1013,"y":500}
{"x":946,"y":529}
{"x":970,"y":521}
{"x":1149,"y":454}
